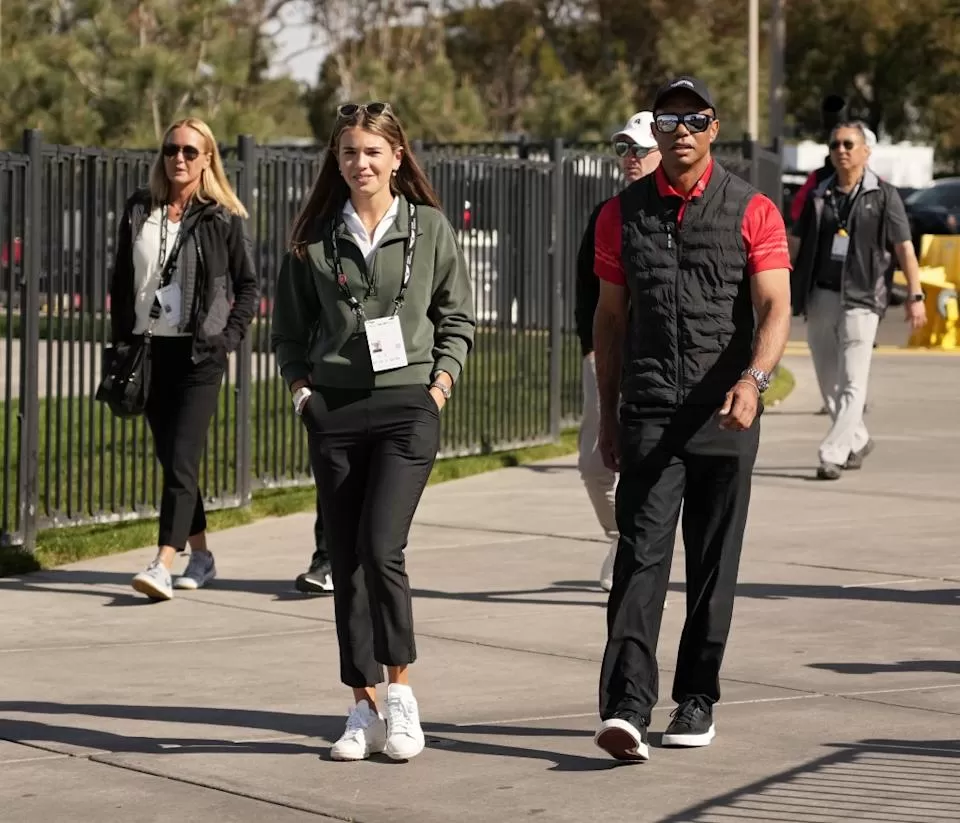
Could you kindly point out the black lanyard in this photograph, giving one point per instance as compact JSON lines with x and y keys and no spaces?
{"x":842,"y":212}
{"x":168,"y":269}
{"x":355,"y":305}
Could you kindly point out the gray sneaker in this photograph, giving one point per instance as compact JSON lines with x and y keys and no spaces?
{"x":829,"y":471}
{"x":154,"y":582}
{"x":200,"y":570}
{"x":855,"y":460}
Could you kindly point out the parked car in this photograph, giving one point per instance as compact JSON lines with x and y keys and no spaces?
{"x":934,"y":209}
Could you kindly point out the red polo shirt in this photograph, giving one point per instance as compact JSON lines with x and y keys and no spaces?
{"x":764,"y":234}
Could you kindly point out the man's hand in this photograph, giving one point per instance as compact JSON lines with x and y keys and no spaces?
{"x":608,"y":442}
{"x":916,"y":314}
{"x":740,"y":407}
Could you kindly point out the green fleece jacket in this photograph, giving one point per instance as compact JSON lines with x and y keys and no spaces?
{"x":315,"y":335}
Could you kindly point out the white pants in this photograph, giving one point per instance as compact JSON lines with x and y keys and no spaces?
{"x":600,"y":482}
{"x":841,"y":344}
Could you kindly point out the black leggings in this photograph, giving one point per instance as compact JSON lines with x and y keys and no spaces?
{"x":181,"y":402}
{"x":372,"y":452}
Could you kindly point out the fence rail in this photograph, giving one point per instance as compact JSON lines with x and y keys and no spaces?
{"x":519,"y":210}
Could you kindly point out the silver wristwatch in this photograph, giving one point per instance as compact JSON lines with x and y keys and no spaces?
{"x":762,"y":378}
{"x":300,"y":397}
{"x":443,"y":387}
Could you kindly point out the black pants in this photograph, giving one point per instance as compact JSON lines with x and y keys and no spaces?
{"x":372,"y":452}
{"x":180,"y":404}
{"x":688,"y":459}
{"x":320,"y":553}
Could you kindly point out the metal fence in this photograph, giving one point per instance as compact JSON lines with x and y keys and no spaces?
{"x":519,"y":212}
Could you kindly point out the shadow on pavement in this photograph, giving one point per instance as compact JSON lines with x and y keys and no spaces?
{"x":445,"y":736}
{"x":915,"y":780}
{"x":925,"y":666}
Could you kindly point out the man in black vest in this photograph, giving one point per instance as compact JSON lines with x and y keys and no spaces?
{"x":685,"y":257}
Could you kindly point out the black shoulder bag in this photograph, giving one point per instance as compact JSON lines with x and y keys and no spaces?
{"x":126,"y":377}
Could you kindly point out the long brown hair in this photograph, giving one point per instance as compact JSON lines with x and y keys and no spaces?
{"x":330,"y":191}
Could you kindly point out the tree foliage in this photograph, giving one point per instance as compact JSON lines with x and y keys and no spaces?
{"x":115,"y":72}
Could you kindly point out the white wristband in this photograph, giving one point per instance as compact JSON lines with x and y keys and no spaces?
{"x":300,"y":397}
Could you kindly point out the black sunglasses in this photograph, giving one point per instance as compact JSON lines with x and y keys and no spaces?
{"x":623,"y":148}
{"x":849,"y":145}
{"x":190,"y":153}
{"x":374,"y":109}
{"x":694,"y":121}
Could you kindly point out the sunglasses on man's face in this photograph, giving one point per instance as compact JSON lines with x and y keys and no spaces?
{"x":374,"y":109}
{"x":623,"y":148}
{"x":694,"y":121}
{"x":190,"y":153}
{"x":849,"y":145}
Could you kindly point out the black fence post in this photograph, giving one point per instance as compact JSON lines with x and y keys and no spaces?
{"x":29,"y":461}
{"x":247,"y":156}
{"x":556,"y":287}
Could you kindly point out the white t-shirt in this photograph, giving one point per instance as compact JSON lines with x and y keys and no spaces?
{"x":146,"y":275}
{"x":368,"y":245}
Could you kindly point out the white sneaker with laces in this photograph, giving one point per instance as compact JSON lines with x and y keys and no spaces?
{"x":606,"y":571}
{"x":154,"y":582}
{"x":366,"y":734}
{"x":404,"y":735}
{"x":200,"y":570}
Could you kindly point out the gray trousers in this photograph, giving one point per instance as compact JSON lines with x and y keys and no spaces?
{"x":600,"y":482}
{"x":841,"y":344}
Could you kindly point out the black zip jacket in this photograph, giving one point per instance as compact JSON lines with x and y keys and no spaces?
{"x":219,"y":282}
{"x":877,"y":223}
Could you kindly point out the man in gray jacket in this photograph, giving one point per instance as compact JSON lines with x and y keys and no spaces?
{"x":849,"y":223}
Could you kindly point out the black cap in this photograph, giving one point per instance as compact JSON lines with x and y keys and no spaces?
{"x":685,"y":81}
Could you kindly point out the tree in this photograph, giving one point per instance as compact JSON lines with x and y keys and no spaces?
{"x":897,"y":67}
{"x":117,"y":72}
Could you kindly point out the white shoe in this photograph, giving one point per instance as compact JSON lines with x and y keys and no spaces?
{"x":366,"y":734}
{"x":606,"y":570}
{"x":154,"y":582}
{"x":200,"y":570}
{"x":404,"y":735}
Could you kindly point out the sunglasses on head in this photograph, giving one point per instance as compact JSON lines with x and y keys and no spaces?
{"x":374,"y":109}
{"x":694,"y":121}
{"x":624,"y":147}
{"x":849,"y":145}
{"x":190,"y":153}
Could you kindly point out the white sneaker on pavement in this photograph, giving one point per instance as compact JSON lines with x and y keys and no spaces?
{"x":366,"y":734}
{"x":154,"y":582}
{"x":200,"y":570}
{"x":606,"y":570}
{"x":404,"y":736}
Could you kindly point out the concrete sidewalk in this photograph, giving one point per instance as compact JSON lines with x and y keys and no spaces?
{"x":842,"y":678}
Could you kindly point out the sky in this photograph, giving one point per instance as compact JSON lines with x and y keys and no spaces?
{"x":297,"y":56}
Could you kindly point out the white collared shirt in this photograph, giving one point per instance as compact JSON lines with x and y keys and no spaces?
{"x":367,"y":244}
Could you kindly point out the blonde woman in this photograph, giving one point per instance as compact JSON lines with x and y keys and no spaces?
{"x":182,"y":254}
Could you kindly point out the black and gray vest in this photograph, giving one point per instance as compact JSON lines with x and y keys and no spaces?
{"x":691,"y":315}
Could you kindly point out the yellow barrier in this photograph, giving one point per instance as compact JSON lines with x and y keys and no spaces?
{"x":940,"y":277}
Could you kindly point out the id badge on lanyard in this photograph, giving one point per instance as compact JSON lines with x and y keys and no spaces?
{"x":840,"y":245}
{"x":384,"y":334}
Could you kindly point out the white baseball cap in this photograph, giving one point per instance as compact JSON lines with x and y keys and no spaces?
{"x":638,"y":129}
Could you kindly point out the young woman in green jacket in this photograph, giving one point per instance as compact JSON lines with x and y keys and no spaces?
{"x":373,"y":320}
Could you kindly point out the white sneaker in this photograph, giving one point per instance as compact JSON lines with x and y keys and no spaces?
{"x":200,"y":570}
{"x":154,"y":582}
{"x":404,"y":735}
{"x":606,"y":570}
{"x":366,"y":734}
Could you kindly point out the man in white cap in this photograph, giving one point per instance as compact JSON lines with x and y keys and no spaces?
{"x":639,"y":156}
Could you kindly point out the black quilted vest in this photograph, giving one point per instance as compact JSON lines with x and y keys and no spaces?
{"x":691,"y":316}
